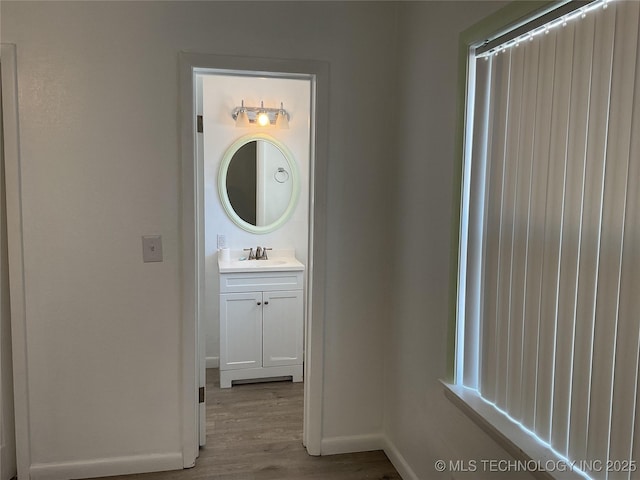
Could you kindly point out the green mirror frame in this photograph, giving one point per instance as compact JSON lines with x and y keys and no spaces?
{"x":222,"y":183}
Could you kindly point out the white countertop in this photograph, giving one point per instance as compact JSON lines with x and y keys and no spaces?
{"x":279,"y":260}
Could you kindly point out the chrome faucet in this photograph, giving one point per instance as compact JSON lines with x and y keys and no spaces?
{"x":261,"y":253}
{"x":251,"y":255}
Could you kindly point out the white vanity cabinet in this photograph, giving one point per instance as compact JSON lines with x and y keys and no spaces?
{"x":261,"y":325}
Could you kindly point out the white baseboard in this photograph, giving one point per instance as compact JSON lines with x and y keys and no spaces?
{"x":106,"y":467}
{"x":398,"y":461}
{"x":365,"y":443}
{"x":213,"y":362}
{"x":350,"y":444}
{"x":173,"y":461}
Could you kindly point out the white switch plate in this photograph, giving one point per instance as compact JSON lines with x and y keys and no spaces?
{"x":151,"y":248}
{"x":222,"y":241}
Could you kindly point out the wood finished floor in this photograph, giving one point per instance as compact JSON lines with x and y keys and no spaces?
{"x":254,"y":432}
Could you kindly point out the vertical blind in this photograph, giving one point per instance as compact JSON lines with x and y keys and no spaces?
{"x":550,"y":261}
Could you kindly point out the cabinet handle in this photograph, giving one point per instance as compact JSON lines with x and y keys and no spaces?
{"x":266,"y":303}
{"x":259,"y":303}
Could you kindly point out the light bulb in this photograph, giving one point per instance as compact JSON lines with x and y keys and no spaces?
{"x":263,"y":119}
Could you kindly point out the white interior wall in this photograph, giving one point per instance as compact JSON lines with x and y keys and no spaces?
{"x":221,"y":94}
{"x":420,"y":423}
{"x":98,"y":86}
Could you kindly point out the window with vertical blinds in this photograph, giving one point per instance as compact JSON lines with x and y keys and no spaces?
{"x":549,"y":271}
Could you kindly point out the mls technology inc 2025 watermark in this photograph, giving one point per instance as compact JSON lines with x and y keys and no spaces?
{"x":510,"y":466}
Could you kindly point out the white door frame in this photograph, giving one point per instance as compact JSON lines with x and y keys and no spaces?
{"x":16,"y":264}
{"x":190,"y":64}
{"x":7,"y":428}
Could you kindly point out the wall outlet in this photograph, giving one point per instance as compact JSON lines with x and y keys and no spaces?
{"x":151,"y":248}
{"x":222,"y":241}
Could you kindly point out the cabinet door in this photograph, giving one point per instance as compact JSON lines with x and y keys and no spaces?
{"x":282,"y":324}
{"x":240,"y":330}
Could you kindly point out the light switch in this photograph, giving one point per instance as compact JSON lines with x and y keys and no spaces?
{"x":151,"y":248}
{"x":222,"y":241}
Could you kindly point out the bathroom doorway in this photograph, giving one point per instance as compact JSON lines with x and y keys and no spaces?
{"x":206,"y":226}
{"x":252,"y":218}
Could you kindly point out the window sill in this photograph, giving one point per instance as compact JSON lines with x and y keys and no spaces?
{"x":533,"y":457}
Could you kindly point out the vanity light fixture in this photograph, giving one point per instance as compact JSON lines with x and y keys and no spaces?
{"x":261,"y":116}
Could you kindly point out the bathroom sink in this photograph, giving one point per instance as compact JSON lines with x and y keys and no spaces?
{"x":266,"y":263}
{"x":274,"y":264}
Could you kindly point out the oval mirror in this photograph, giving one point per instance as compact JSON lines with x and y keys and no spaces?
{"x":258,"y":183}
